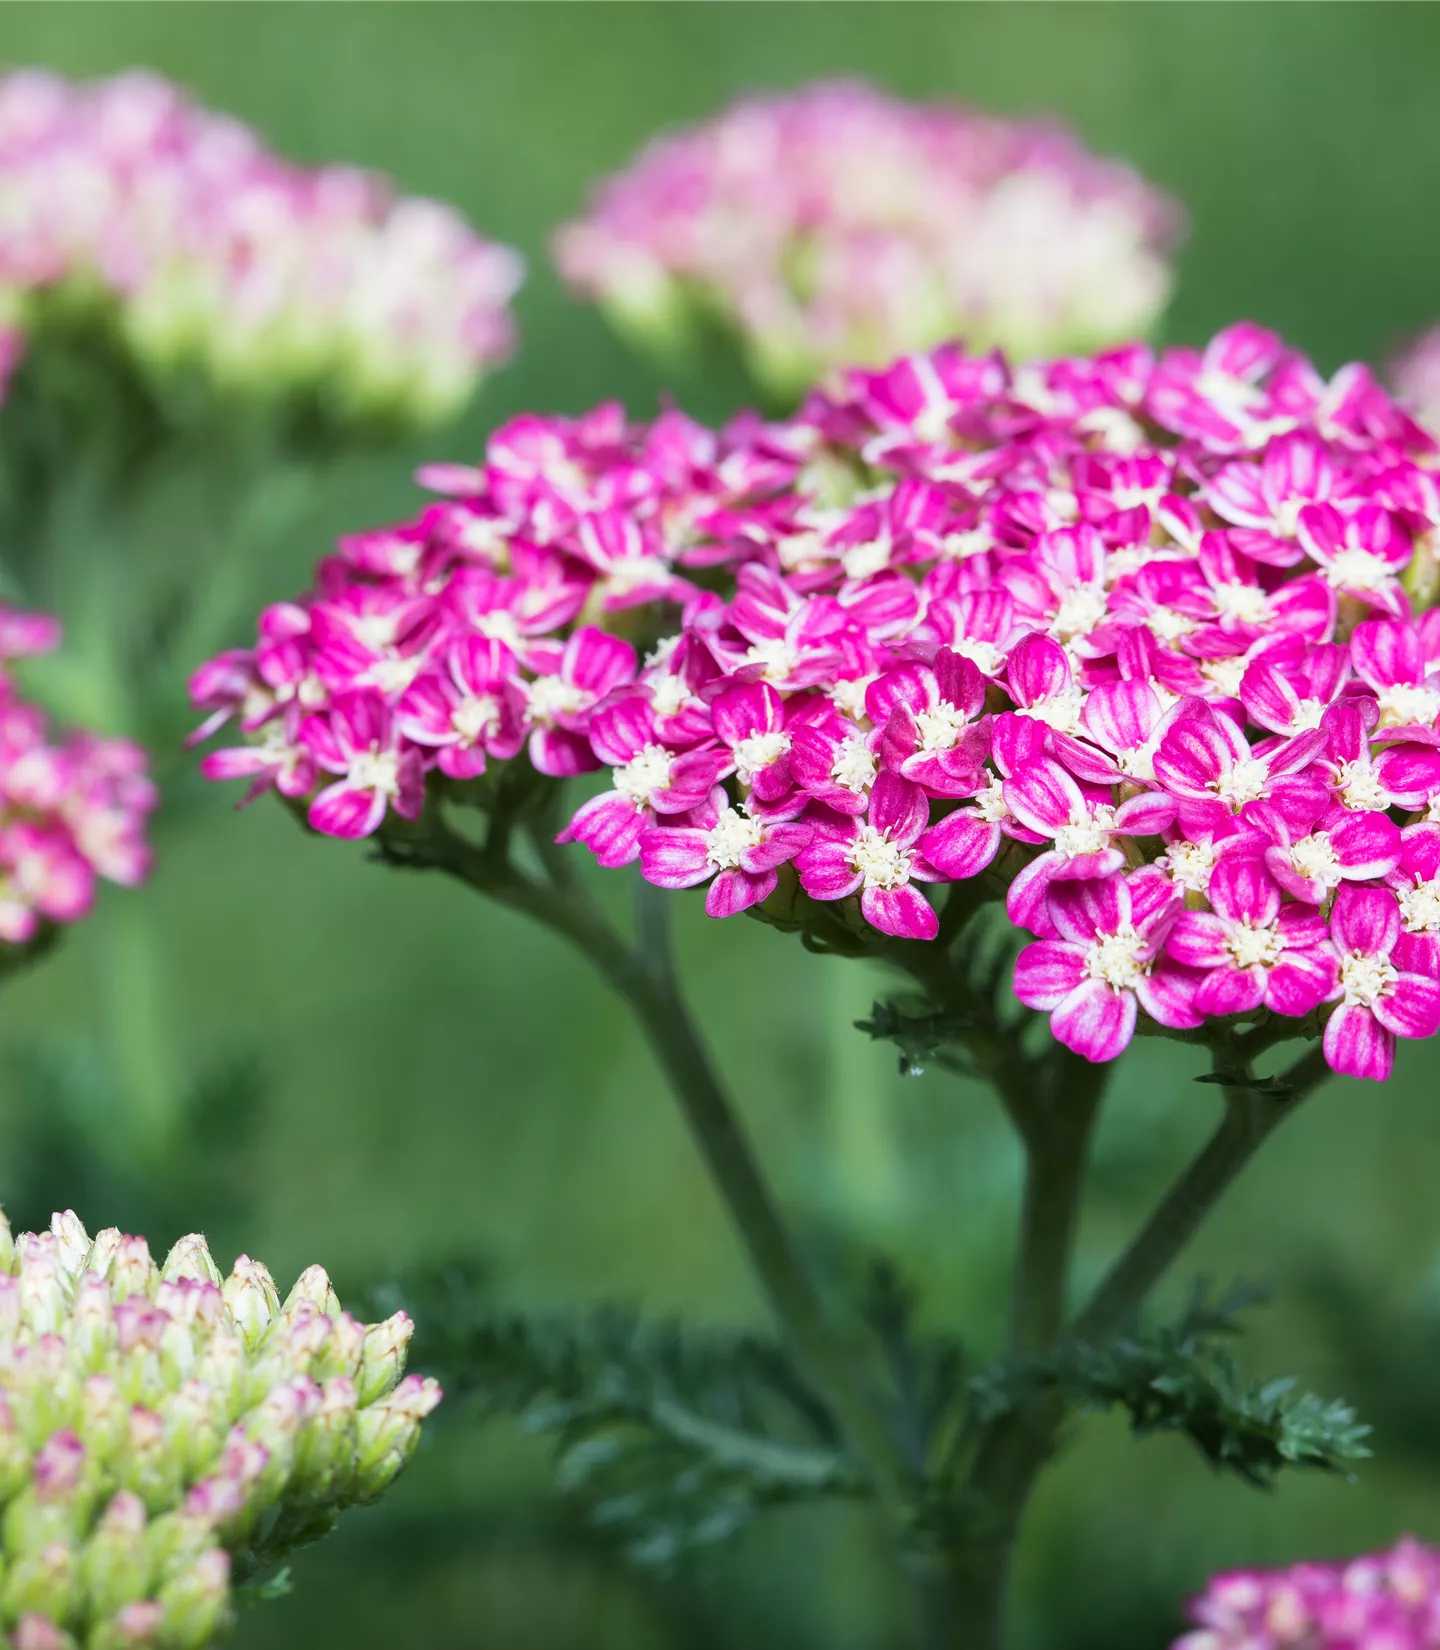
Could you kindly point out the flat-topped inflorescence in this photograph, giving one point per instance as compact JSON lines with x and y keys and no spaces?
{"x":1148,"y":644}
{"x":166,"y":1432}
{"x":1387,"y":1601}
{"x":198,"y":252}
{"x":71,"y":812}
{"x":835,"y":225}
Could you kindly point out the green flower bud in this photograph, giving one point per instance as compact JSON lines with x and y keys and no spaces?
{"x":114,"y":1568}
{"x":195,"y":1606}
{"x":190,"y":1258}
{"x":388,"y":1431}
{"x":154,"y":1420}
{"x":382,"y":1362}
{"x":42,"y":1582}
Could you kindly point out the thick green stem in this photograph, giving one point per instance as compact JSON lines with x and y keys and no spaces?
{"x":1251,"y":1116}
{"x":645,"y":979}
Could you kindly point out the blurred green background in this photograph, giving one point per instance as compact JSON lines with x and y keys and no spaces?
{"x":436,"y":1079}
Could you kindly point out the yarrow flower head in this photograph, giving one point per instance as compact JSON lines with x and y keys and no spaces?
{"x":197,"y":252}
{"x":834,"y":224}
{"x":166,"y":1431}
{"x":1142,"y":643}
{"x":71,"y":812}
{"x":1388,"y":1601}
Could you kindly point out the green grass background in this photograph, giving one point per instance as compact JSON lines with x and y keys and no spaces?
{"x":440,"y":1079}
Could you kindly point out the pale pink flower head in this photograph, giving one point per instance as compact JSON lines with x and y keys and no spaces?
{"x":834,"y":224}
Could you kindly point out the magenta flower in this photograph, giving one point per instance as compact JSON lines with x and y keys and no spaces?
{"x":877,"y":858}
{"x":1106,"y":960}
{"x":1384,"y":992}
{"x":358,"y":740}
{"x":742,"y":855}
{"x":952,"y":620}
{"x":1253,"y":948}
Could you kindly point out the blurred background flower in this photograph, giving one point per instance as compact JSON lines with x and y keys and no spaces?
{"x":421,"y":1098}
{"x":837,"y":226}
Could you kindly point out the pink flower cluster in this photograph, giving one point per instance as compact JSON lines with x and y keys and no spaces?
{"x":1135,"y":638}
{"x":1390,"y":1601}
{"x":1416,"y":377}
{"x":69,"y":812}
{"x":834,"y":224}
{"x":214,"y":254}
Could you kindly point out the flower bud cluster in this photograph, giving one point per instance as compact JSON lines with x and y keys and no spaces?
{"x":1146,"y":642}
{"x":164,"y":1431}
{"x":206,"y":254}
{"x":835,"y":224}
{"x":70,"y":812}
{"x":1390,"y":1601}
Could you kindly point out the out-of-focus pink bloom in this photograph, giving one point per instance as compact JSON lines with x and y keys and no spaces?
{"x":834,"y":224}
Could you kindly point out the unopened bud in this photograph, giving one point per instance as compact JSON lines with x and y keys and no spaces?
{"x":102,"y":1251}
{"x":72,"y":1242}
{"x":341,"y":1354}
{"x":132,"y":1272}
{"x":44,"y":1297}
{"x":42,"y":1583}
{"x":147,"y":1465}
{"x":387,"y":1432}
{"x":103,"y":1418}
{"x":313,"y":1285}
{"x":325,"y":1456}
{"x":7,"y":1244}
{"x":136,"y":1626}
{"x":92,"y":1323}
{"x":196,"y":1605}
{"x":382,"y":1361}
{"x":38,"y":1632}
{"x":252,"y":1297}
{"x":197,"y":1428}
{"x":59,"y":1466}
{"x":190,"y":1258}
{"x":114,"y":1569}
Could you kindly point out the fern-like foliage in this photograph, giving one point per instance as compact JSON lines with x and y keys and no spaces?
{"x":673,"y":1441}
{"x":1183,"y":1378}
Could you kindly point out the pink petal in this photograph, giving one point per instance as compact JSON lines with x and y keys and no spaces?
{"x":672,"y":856}
{"x":825,"y":870}
{"x":961,"y":845}
{"x":1095,"y":1021}
{"x":736,"y":891}
{"x":1365,"y":920}
{"x":903,"y":912}
{"x":1167,"y":994}
{"x":610,"y":825}
{"x":1081,"y":910}
{"x":1357,"y":1045}
{"x":899,"y":808}
{"x":1411,"y":1008}
{"x":1044,"y":797}
{"x":1230,"y":990}
{"x":1300,"y":982}
{"x":342,"y":811}
{"x":1047,"y":971}
{"x":1199,"y":939}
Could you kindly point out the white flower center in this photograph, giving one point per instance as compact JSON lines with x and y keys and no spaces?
{"x":485,"y":537}
{"x":1247,"y":781}
{"x":849,"y":697}
{"x":1090,"y":835}
{"x":985,"y":656}
{"x":1081,"y":609}
{"x":731,"y":836}
{"x":883,"y":863}
{"x":1360,"y":788}
{"x":941,"y":727}
{"x":375,"y":771}
{"x":991,"y":804}
{"x":642,"y":774}
{"x":800,"y":552}
{"x":668,"y":695}
{"x":1233,"y":397}
{"x":1224,"y":675}
{"x":553,"y":696}
{"x":474,"y":718}
{"x":854,"y":766}
{"x":776,"y":656}
{"x":1245,"y":603}
{"x":1408,"y":704}
{"x":1355,"y":569}
{"x":1169,"y":625}
{"x":1115,"y":958}
{"x":1060,"y":711}
{"x":759,"y":751}
{"x":1420,"y":907}
{"x":374,"y":630}
{"x":1250,"y":945}
{"x":863,"y":561}
{"x":1190,"y":864}
{"x":394,"y":675}
{"x":1314,"y":857}
{"x":1365,"y":979}
{"x":960,"y":546}
{"x":500,"y":625}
